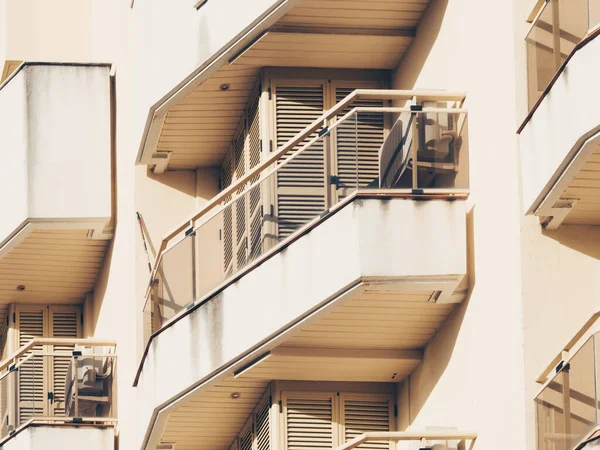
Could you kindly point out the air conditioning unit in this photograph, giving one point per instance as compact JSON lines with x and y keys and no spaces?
{"x":437,"y":134}
{"x":88,"y":380}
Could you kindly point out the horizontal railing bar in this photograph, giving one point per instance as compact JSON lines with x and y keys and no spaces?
{"x":54,"y":341}
{"x":392,"y":109}
{"x":396,"y":436}
{"x":16,"y":366}
{"x":370,"y":94}
{"x":69,"y":419}
{"x":91,"y":355}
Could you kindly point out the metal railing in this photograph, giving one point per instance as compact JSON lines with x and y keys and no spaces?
{"x":425,"y":439}
{"x":558,"y":28}
{"x":567,"y":407}
{"x":417,"y":149}
{"x":58,"y":381}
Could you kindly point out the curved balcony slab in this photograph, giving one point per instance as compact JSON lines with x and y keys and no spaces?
{"x":560,"y":154}
{"x":56,"y":176}
{"x":390,"y":253}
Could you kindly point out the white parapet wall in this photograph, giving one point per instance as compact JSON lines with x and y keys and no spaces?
{"x":62,"y":438}
{"x":399,"y":241}
{"x":553,"y":138}
{"x":56,"y":145}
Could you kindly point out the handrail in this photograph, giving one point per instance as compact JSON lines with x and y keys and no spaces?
{"x":543,"y":376}
{"x":12,"y":359}
{"x":365,"y":94}
{"x":396,"y":436}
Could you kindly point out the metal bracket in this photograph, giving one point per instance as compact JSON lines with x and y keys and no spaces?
{"x":76,"y":353}
{"x":416,"y":107}
{"x":77,"y":420}
{"x":324,"y":131}
{"x":334,"y":179}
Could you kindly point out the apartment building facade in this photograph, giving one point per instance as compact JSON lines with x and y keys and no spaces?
{"x":298,"y":224}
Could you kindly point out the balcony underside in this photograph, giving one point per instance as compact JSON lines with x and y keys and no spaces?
{"x":193,"y":127}
{"x":56,"y":264}
{"x":355,"y":299}
{"x":560,"y":144}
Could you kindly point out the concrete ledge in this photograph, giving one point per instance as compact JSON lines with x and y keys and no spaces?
{"x":400,"y":241}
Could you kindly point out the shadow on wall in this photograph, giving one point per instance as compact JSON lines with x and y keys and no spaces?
{"x":421,"y":383}
{"x":175,"y":180}
{"x":428,"y":30}
{"x":577,"y":238}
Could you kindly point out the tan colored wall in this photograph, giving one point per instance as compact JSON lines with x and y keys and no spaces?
{"x":57,"y":30}
{"x":472,"y":374}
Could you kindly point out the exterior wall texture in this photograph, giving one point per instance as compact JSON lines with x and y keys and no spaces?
{"x":530,"y":289}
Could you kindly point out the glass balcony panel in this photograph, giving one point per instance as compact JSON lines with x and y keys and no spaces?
{"x":438,"y":155}
{"x":550,"y":407}
{"x":542,"y":62}
{"x":594,"y":12}
{"x":582,"y":404}
{"x":573,"y":24}
{"x":8,"y":393}
{"x":175,"y":280}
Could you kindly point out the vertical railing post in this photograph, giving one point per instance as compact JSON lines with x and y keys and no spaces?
{"x":567,"y":404}
{"x":76,"y":387}
{"x":327,"y":168}
{"x":415,"y":150}
{"x":594,"y":362}
{"x":556,"y":33}
{"x":193,"y":262}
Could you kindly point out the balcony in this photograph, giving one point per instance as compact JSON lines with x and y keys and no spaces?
{"x":567,"y":406}
{"x":558,"y":140}
{"x":58,"y":392}
{"x":342,"y":220}
{"x":56,"y":176}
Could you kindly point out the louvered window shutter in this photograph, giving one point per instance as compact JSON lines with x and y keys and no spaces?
{"x":309,"y":421}
{"x":263,"y":426}
{"x":65,"y":324}
{"x":358,"y":141}
{"x":242,"y":220}
{"x":254,"y":197}
{"x":227,"y":229}
{"x":361,"y":413}
{"x":301,"y":183}
{"x":31,"y":323}
{"x":246,"y":436}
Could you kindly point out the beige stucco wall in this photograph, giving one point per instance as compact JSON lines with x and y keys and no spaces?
{"x":471,"y":377}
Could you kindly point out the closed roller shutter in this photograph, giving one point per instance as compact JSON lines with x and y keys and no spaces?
{"x":308,"y":421}
{"x":358,"y":141}
{"x":301,"y":183}
{"x":362,"y":413}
